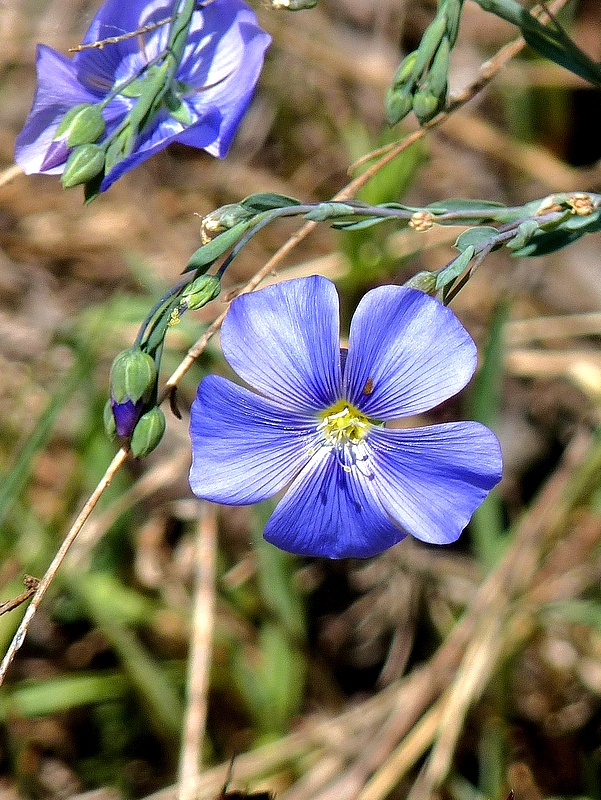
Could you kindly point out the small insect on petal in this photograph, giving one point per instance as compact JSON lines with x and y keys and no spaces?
{"x":369,"y":387}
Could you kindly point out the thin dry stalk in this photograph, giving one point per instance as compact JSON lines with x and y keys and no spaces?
{"x":58,"y":559}
{"x":10,"y":174}
{"x":199,"y":662}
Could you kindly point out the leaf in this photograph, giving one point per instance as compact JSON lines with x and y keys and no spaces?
{"x":590,"y":221}
{"x":475,"y":237}
{"x":558,"y":47}
{"x":455,"y":268}
{"x":209,"y":253}
{"x":525,"y":231}
{"x":459,"y":204}
{"x":62,"y":693}
{"x":544,"y":242}
{"x":551,"y":41}
{"x":267,"y":201}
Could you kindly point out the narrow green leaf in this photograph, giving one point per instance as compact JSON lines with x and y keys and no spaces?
{"x":41,"y":697}
{"x":487,"y":526}
{"x":13,"y":483}
{"x":455,"y":268}
{"x":209,"y":253}
{"x":267,"y":201}
{"x":475,"y":236}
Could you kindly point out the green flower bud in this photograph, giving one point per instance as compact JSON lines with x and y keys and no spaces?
{"x":84,"y":163}
{"x":405,"y":70}
{"x":196,"y":295}
{"x":147,"y":433}
{"x":424,"y":281}
{"x":438,"y":76}
{"x":453,"y":11}
{"x":426,"y":105}
{"x":120,"y":148}
{"x":223,"y":219}
{"x":82,"y":124}
{"x":109,"y":421}
{"x":429,"y":44}
{"x":201,"y":291}
{"x":397,"y":105}
{"x":133,"y":376}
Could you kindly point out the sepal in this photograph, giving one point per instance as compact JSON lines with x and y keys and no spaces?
{"x":148,"y":433}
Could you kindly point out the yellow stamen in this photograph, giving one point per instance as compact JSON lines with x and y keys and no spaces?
{"x":343,"y":426}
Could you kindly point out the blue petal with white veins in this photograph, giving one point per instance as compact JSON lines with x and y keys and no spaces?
{"x":244,"y":447}
{"x":332,"y":513}
{"x":407,"y":353}
{"x":284,"y":342}
{"x":431,"y":480}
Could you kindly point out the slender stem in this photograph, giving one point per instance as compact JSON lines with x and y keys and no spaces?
{"x":199,"y":662}
{"x":58,"y":559}
{"x":10,"y":174}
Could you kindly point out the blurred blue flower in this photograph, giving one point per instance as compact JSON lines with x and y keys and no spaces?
{"x":315,"y":420}
{"x":208,"y":96}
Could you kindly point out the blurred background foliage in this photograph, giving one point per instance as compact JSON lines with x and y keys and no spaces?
{"x":347,"y":656}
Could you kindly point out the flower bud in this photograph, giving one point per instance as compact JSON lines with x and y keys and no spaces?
{"x":196,"y":295}
{"x":405,"y":70}
{"x":147,"y":433}
{"x":84,"y":163}
{"x":201,"y":291}
{"x":82,"y":124}
{"x":424,"y":281}
{"x":125,"y":415}
{"x":132,"y":381}
{"x":438,"y":76}
{"x":110,"y":426}
{"x":397,"y":104}
{"x":133,"y":376}
{"x":222,"y":219}
{"x":426,"y":105}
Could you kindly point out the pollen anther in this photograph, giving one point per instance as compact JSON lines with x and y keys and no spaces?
{"x":343,"y":425}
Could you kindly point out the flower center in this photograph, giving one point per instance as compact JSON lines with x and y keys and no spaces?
{"x":343,"y":425}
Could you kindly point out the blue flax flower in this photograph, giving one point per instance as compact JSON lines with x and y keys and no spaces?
{"x":213,"y":86}
{"x":315,"y":421}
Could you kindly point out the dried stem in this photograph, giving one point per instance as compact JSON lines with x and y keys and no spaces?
{"x":31,"y":585}
{"x":10,"y":174}
{"x":199,"y":662}
{"x":58,"y":559}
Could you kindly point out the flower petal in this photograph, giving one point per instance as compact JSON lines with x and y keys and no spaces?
{"x":222,"y":61}
{"x":283,"y":341}
{"x":407,"y":353}
{"x":244,"y":447}
{"x":332,"y":513}
{"x":431,"y":480}
{"x":57,"y":91}
{"x":101,"y":65}
{"x":224,"y":71}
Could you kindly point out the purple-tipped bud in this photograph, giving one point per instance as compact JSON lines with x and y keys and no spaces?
{"x":133,"y":380}
{"x":126,"y":416}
